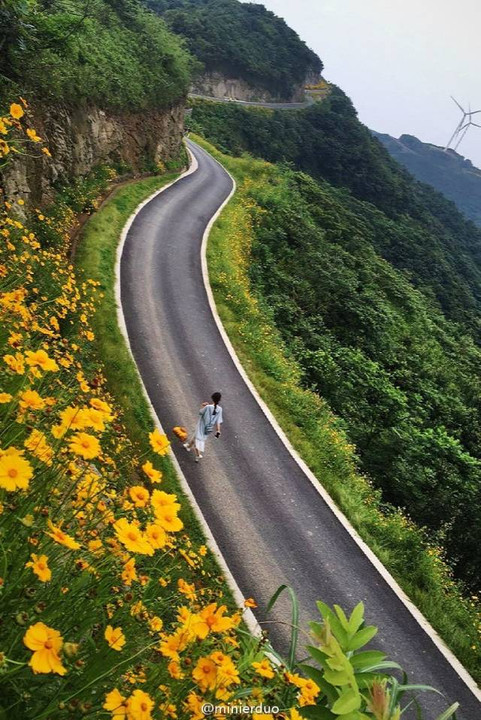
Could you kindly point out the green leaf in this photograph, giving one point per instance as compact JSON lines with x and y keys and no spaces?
{"x":336,"y":626}
{"x":362,"y":637}
{"x":347,"y":703}
{"x":366,"y":659}
{"x":356,"y":619}
{"x":342,"y":617}
{"x":337,"y":677}
{"x":313,"y":712}
{"x":294,"y":622}
{"x":449,"y":713}
{"x":329,"y":691}
{"x":312,"y":673}
{"x":317,"y":655}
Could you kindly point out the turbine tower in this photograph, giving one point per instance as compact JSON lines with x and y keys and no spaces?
{"x":462,"y":127}
{"x":464,"y":130}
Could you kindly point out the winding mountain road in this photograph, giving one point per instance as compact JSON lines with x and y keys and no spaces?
{"x":247,"y":103}
{"x":270,"y":523}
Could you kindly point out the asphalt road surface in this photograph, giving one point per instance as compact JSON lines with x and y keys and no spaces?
{"x":272,"y":105}
{"x":268,"y":520}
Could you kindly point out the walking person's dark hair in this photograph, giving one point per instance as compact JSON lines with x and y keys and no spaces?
{"x":216,"y":398}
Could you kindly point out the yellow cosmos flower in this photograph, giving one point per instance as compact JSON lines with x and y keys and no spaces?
{"x":154,"y":475}
{"x":31,"y":400}
{"x":186,"y":589}
{"x":62,"y":538}
{"x":140,"y":706}
{"x":129,"y":573}
{"x":32,"y":134}
{"x":41,"y":359}
{"x":167,"y":518}
{"x":156,"y":535}
{"x":5,"y":398}
{"x":156,"y":624}
{"x":133,"y":538}
{"x":85,"y":445}
{"x":264,"y":668}
{"x":175,"y":670}
{"x":39,"y":565}
{"x":15,"y":471}
{"x":139,"y":495}
{"x":250,"y":603}
{"x":205,"y":673}
{"x":116,"y":704}
{"x":114,"y":637}
{"x":102,"y":407}
{"x":46,"y":644}
{"x":160,"y":443}
{"x":16,"y":111}
{"x":161,"y":499}
{"x":15,"y":363}
{"x":38,"y":446}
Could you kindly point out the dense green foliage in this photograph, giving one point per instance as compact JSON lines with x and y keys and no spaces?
{"x":432,"y":243}
{"x":448,"y":172}
{"x":404,"y":379}
{"x":114,"y":53}
{"x":243,"y":40}
{"x":375,"y":287}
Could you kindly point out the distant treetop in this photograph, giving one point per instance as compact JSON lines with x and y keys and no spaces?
{"x":243,"y":40}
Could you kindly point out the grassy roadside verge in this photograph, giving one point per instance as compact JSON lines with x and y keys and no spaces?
{"x":95,"y":259}
{"x":402,"y":547}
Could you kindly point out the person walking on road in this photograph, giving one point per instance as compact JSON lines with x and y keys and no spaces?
{"x":210,"y":419}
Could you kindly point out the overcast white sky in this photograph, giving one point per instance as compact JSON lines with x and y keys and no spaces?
{"x":398,"y":60}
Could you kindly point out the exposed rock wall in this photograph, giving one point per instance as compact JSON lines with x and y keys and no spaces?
{"x":81,"y":138}
{"x":217,"y":85}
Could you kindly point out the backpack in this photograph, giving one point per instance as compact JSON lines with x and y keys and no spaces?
{"x":211,"y":424}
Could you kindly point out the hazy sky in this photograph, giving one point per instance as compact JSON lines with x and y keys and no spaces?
{"x":398,"y":60}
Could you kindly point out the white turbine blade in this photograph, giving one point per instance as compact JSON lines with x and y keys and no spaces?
{"x":459,"y":106}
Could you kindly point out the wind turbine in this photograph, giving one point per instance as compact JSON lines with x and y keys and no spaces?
{"x":462,"y":125}
{"x":464,"y":130}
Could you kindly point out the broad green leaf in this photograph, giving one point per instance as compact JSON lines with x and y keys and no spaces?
{"x":449,"y":713}
{"x":337,"y":677}
{"x":312,"y":712}
{"x":362,"y":637}
{"x":317,"y":655}
{"x":366,"y":659}
{"x":347,"y":703}
{"x":312,"y":673}
{"x":342,"y":617}
{"x":336,"y":626}
{"x":356,"y":619}
{"x":327,"y":689}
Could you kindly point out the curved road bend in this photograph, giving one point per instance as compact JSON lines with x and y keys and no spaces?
{"x":268,"y":520}
{"x":247,"y":103}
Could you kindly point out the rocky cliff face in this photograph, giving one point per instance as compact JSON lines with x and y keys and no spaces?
{"x":217,"y":85}
{"x":81,"y":138}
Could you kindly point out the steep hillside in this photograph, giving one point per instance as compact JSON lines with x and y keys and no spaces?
{"x":437,"y":249}
{"x":374,"y":282}
{"x":69,"y":51}
{"x":448,"y":172}
{"x":243,"y":44}
{"x":96,"y":94}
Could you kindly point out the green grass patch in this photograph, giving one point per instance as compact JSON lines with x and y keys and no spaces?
{"x":317,"y":435}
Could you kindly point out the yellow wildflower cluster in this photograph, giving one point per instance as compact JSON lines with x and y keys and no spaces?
{"x":14,"y":134}
{"x":110,"y":607}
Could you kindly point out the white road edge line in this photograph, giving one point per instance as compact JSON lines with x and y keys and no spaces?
{"x":386,"y":575}
{"x":248,"y":616}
